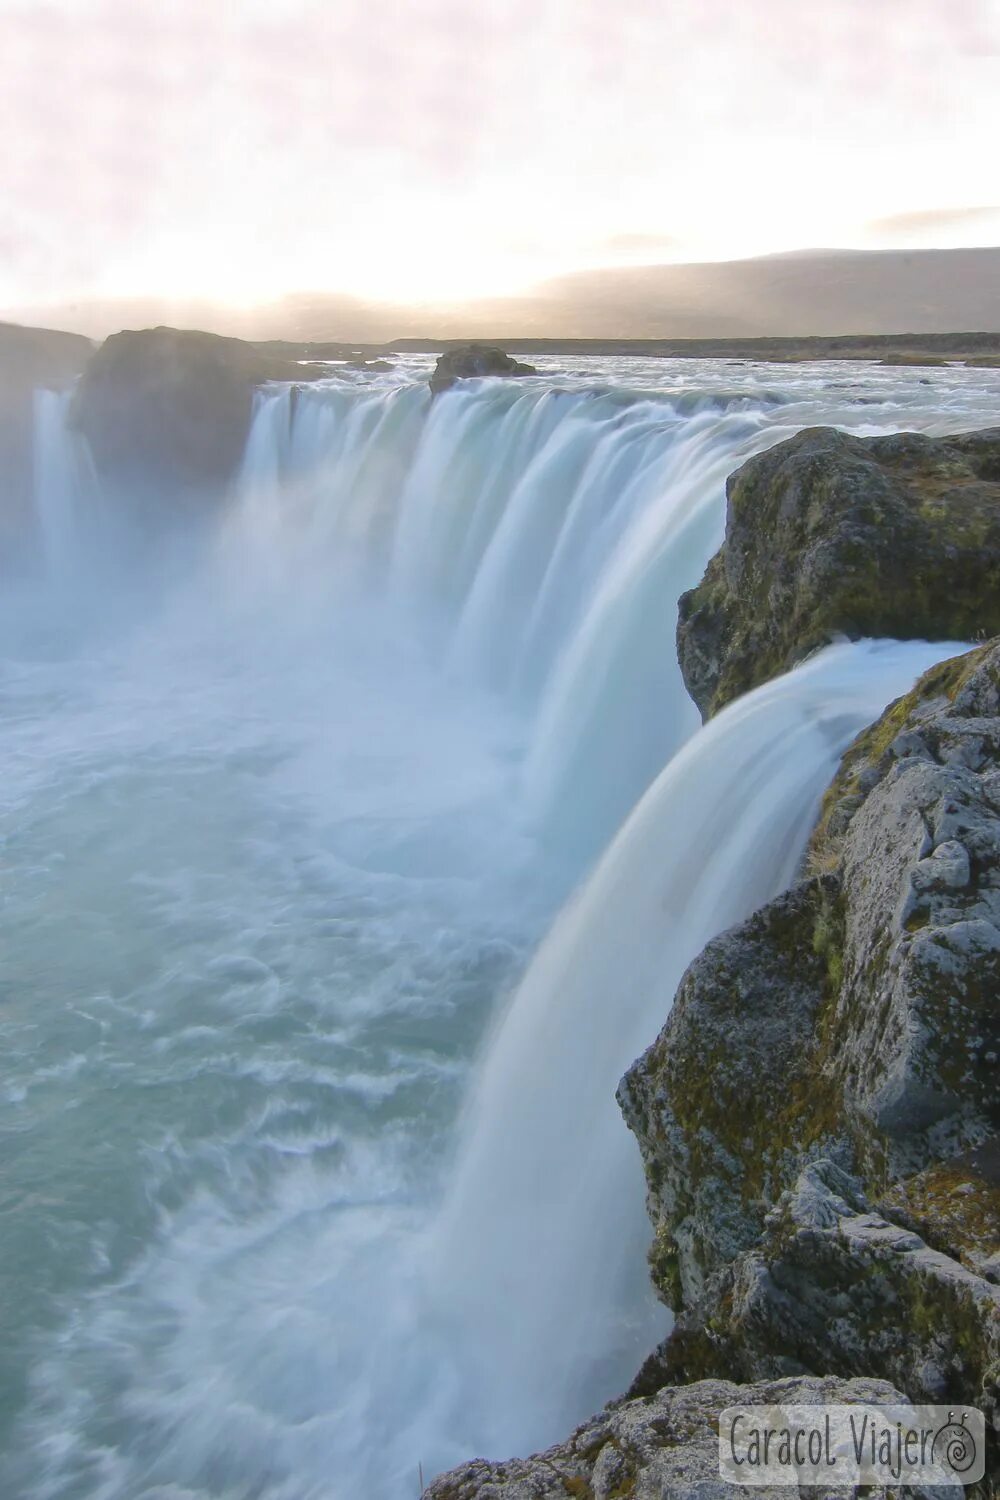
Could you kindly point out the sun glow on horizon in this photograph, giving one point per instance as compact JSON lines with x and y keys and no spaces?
{"x":247,"y":153}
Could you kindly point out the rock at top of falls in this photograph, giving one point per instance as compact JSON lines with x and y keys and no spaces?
{"x":829,"y":534}
{"x":471,"y":361}
{"x":167,"y":411}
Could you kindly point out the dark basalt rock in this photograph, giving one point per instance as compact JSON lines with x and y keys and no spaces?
{"x":827,"y":535}
{"x":166,"y":412}
{"x":29,"y":358}
{"x":474,"y":360}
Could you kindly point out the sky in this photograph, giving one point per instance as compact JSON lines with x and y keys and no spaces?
{"x":414,"y":150}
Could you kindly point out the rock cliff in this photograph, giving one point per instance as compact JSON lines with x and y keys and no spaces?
{"x":167,"y":412}
{"x":827,"y":535}
{"x":663,"y":1446}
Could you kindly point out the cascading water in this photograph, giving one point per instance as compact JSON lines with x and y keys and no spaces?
{"x":282,"y":832}
{"x":540,"y":1244}
{"x":539,"y":540}
{"x":67,"y":501}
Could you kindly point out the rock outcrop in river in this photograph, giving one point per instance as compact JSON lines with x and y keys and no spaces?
{"x":471,"y":361}
{"x":827,"y":535}
{"x":167,"y":412}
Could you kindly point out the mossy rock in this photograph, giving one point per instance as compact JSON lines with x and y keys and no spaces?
{"x":858,"y":1014}
{"x":869,"y":757}
{"x":663,"y":1444}
{"x":955,"y":1206}
{"x":835,"y":1285}
{"x":831,"y":535}
{"x":737,"y":1090}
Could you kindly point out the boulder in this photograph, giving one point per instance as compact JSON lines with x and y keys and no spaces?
{"x":471,"y":361}
{"x":167,"y":412}
{"x":827,"y":535}
{"x":663,"y":1446}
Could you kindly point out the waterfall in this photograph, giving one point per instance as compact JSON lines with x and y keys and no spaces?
{"x":533,"y":539}
{"x":292,"y":793}
{"x":536,"y":539}
{"x":538,"y":1256}
{"x":65,"y":486}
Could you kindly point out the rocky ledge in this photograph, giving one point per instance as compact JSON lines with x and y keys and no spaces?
{"x":828,"y":535}
{"x":166,"y":412}
{"x":473,"y":361}
{"x":664,"y":1446}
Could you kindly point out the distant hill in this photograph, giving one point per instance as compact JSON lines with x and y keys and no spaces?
{"x":810,"y":292}
{"x":806,"y":292}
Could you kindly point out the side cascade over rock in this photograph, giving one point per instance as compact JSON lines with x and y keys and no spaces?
{"x":471,"y":361}
{"x":828,"y":535}
{"x":30,"y":358}
{"x":819,"y":1119}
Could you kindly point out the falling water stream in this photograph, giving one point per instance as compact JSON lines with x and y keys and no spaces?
{"x":351,"y":848}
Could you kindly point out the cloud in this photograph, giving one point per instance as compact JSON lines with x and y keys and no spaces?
{"x":927,"y":220}
{"x":637,"y":244}
{"x":943,"y":222}
{"x":251,"y":147}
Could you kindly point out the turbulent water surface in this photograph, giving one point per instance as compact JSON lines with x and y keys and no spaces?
{"x":312,"y":1178}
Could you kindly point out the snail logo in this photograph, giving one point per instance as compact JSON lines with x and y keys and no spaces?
{"x":954,"y":1446}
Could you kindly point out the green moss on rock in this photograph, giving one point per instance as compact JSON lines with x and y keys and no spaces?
{"x":955,"y":1206}
{"x":828,"y":535}
{"x":869,"y":756}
